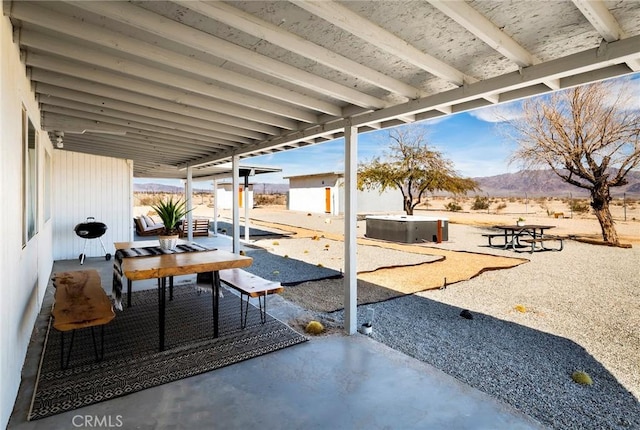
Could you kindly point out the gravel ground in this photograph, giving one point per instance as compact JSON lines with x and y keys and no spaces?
{"x":330,"y":253}
{"x":581,"y":312}
{"x":287,"y":271}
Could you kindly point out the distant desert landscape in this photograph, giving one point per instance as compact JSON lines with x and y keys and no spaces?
{"x":570,"y":217}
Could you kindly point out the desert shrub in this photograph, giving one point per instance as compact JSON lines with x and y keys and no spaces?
{"x":147,"y":200}
{"x":581,"y":378}
{"x":480,"y":203}
{"x":269,"y":199}
{"x":578,"y":206}
{"x":314,"y":327}
{"x":453,"y":207}
{"x":501,"y":206}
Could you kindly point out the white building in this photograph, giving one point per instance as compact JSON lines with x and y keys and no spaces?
{"x":225,"y":196}
{"x":324,"y":193}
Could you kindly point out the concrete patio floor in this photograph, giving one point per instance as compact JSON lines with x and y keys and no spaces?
{"x":330,"y":382}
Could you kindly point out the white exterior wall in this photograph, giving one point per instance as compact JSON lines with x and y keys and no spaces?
{"x":225,"y":197}
{"x":99,"y":187}
{"x":25,"y":270}
{"x":307,"y":194}
{"x":372,"y":201}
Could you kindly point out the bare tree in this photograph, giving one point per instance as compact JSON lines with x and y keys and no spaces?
{"x":413,"y":168}
{"x":589,"y":136}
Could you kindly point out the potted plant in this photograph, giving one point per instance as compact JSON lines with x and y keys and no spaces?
{"x":171,"y":213}
{"x":520,"y":222}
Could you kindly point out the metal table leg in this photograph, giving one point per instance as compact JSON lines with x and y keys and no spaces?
{"x":215,"y":290}
{"x":162,"y":286}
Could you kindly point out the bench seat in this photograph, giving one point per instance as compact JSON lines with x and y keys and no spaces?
{"x":80,"y":302}
{"x":491,"y":236}
{"x":541,"y":240}
{"x":200,"y":227}
{"x":250,"y":285}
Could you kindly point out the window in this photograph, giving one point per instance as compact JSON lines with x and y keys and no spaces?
{"x":47,"y":186}
{"x":30,"y":178}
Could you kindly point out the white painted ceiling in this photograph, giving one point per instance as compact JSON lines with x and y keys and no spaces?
{"x":176,"y":84}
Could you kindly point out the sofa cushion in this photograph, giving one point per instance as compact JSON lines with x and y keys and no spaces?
{"x":141,"y":222}
{"x":148,"y":221}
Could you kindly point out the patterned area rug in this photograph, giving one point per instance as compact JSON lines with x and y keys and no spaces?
{"x":131,"y":359}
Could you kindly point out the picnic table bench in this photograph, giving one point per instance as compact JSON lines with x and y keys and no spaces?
{"x":491,"y":236}
{"x":541,"y":240}
{"x":80,"y":302}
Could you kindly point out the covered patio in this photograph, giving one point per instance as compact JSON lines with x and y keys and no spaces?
{"x":96,"y":93}
{"x":328,"y":382}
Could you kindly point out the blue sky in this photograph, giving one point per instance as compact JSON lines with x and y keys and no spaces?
{"x":472,"y":143}
{"x":471,"y":140}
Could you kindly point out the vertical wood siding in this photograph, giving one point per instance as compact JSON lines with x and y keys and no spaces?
{"x":90,"y":186}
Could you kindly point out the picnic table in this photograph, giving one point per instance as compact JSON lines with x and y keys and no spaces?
{"x":530,"y":236}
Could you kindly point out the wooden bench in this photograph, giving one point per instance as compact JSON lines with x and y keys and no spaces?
{"x":541,"y":240}
{"x":200,"y":227}
{"x":250,"y":285}
{"x":80,"y":302}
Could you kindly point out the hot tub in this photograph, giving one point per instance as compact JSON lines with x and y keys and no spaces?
{"x":408,"y":228}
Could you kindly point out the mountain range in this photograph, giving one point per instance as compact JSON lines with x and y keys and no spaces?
{"x":538,"y":183}
{"x":545,"y":183}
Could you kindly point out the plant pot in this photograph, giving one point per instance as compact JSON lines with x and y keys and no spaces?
{"x":168,"y":242}
{"x":366,"y":329}
{"x":520,"y":223}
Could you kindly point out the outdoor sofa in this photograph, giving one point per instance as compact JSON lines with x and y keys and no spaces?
{"x":146,"y":226}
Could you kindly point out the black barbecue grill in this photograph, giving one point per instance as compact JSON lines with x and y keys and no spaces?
{"x":91,"y":230}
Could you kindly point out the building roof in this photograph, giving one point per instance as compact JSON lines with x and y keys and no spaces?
{"x":176,"y":84}
{"x":224,"y":171}
{"x":311,"y":175}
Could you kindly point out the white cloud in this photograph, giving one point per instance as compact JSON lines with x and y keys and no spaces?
{"x":625,"y":92}
{"x":499,"y":113}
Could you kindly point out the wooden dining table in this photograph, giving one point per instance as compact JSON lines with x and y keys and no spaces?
{"x":162,"y":267}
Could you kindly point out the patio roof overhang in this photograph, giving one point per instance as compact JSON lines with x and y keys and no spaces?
{"x":172,"y":85}
{"x":225,"y":171}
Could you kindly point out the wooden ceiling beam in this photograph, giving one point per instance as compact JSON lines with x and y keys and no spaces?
{"x":29,"y":12}
{"x":99,"y":89}
{"x":342,"y":17}
{"x":77,"y":71}
{"x":60,"y":96}
{"x":153,"y":23}
{"x":261,"y":29}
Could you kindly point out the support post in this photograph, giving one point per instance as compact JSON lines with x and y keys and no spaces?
{"x":246,"y":207}
{"x":235,"y":200}
{"x":189,"y":192}
{"x":350,"y":244}
{"x":215,"y":207}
